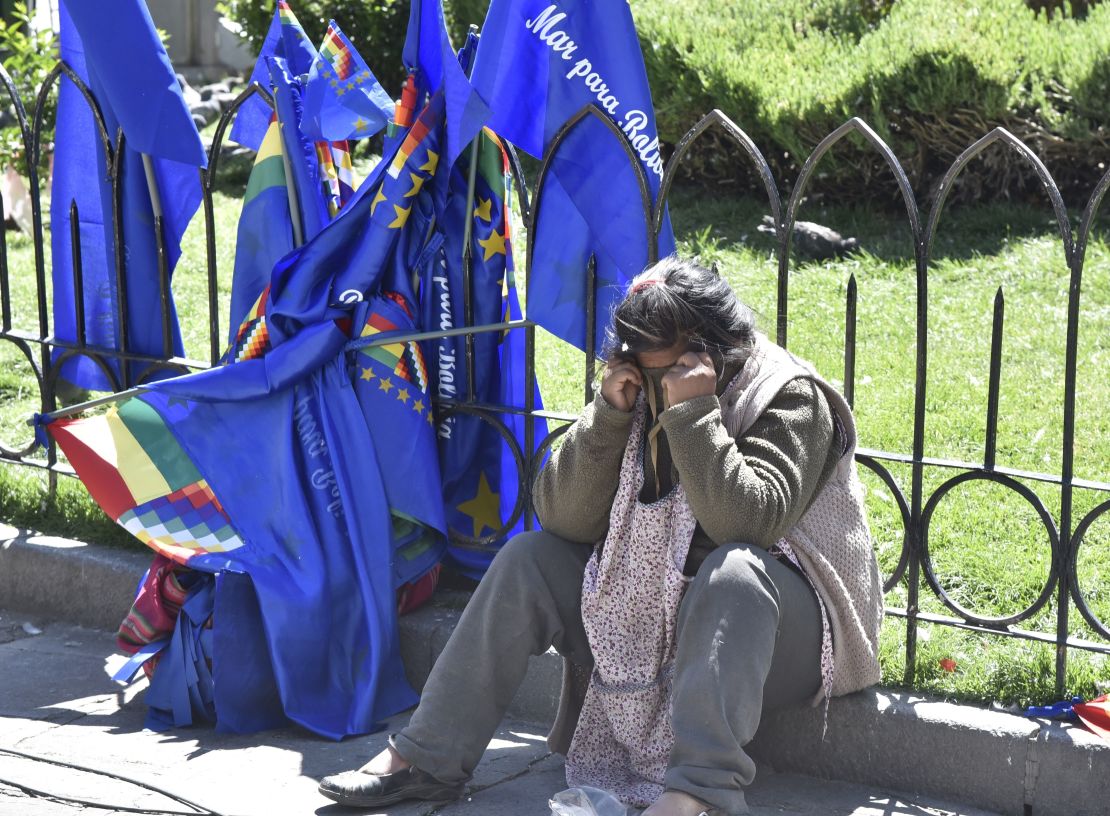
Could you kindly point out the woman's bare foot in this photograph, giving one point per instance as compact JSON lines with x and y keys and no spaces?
{"x":676,"y":803}
{"x":387,"y":762}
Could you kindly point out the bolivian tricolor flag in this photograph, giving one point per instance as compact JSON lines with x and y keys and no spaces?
{"x":265,"y":234}
{"x":268,"y":171}
{"x":137,"y":472}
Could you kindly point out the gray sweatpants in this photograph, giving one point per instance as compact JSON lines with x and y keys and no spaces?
{"x":749,"y":639}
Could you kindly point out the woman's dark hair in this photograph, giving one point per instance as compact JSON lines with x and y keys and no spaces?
{"x":680,"y":300}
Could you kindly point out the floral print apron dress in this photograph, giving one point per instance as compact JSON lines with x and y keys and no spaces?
{"x":631,"y":592}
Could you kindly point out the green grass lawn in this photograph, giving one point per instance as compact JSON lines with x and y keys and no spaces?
{"x":990,"y":552}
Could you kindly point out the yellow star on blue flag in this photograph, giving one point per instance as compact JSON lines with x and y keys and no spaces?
{"x":403,"y":214}
{"x":417,"y":183}
{"x":429,"y":166}
{"x":494,"y":245}
{"x":484,"y":508}
{"x":379,"y":197}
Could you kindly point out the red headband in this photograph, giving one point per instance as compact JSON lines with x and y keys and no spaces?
{"x":644,"y":284}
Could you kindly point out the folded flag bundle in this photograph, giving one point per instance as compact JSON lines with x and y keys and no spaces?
{"x":308,"y":488}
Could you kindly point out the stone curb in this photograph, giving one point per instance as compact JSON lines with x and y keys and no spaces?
{"x":71,"y":580}
{"x":989,"y":759}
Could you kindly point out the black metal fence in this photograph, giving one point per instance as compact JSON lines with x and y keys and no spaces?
{"x":1065,"y":533}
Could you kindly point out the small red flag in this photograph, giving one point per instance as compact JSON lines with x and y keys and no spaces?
{"x":1095,"y":714}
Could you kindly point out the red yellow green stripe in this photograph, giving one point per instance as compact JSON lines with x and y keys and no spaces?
{"x":88,"y":448}
{"x":286,"y":15}
{"x":406,"y":360}
{"x":387,"y":355}
{"x":128,"y":454}
{"x":157,"y":451}
{"x":269,"y":169}
{"x":415,"y":136}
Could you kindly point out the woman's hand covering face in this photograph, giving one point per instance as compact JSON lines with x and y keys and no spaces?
{"x":621,"y":383}
{"x":692,"y":375}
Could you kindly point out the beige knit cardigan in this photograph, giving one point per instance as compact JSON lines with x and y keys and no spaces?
{"x":831,"y":538}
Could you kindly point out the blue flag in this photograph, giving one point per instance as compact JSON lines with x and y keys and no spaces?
{"x":343,"y":98}
{"x":285,"y":39}
{"x":391,"y":384}
{"x":293,"y":467}
{"x":330,"y":274}
{"x":539,"y":63}
{"x":300,"y":150}
{"x":114,"y":48}
{"x":320,"y":173}
{"x":480,"y":474}
{"x":428,"y":53}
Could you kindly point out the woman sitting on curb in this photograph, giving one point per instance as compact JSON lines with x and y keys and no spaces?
{"x":704,"y":558}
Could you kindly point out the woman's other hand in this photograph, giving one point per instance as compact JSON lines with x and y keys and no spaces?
{"x":621,"y":383}
{"x":692,"y":375}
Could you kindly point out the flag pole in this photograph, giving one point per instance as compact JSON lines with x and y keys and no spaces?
{"x":73,"y":410}
{"x":358,"y":343}
{"x":290,"y":188}
{"x":163,"y":259}
{"x":467,"y":258}
{"x":152,"y":185}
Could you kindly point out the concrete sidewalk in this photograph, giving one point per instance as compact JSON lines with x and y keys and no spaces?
{"x":880,"y":739}
{"x":58,"y":703}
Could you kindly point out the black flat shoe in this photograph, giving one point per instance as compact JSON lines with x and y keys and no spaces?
{"x":367,"y":790}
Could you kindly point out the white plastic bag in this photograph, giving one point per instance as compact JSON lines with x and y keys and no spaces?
{"x":585,"y":801}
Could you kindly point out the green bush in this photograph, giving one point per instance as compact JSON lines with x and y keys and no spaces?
{"x":461,"y":14}
{"x":28,"y":56}
{"x":930,"y":76}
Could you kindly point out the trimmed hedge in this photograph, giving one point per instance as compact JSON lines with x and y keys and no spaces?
{"x":930,"y":76}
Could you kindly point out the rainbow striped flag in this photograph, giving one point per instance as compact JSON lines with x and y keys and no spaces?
{"x":344,"y":170}
{"x":329,"y":177}
{"x":136,"y":470}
